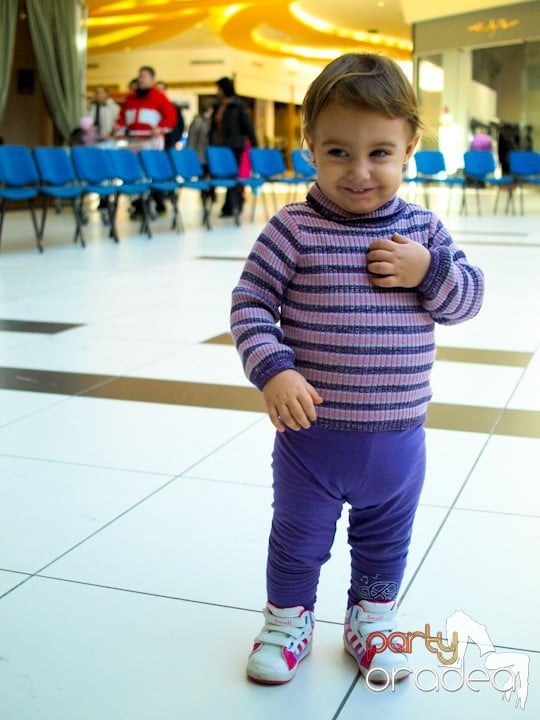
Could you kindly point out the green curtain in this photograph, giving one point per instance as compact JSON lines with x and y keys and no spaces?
{"x":8,"y":25}
{"x":55,"y":29}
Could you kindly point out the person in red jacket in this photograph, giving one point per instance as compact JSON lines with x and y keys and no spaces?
{"x":146,"y":115}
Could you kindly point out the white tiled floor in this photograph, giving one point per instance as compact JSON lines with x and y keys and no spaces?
{"x":133,"y":534}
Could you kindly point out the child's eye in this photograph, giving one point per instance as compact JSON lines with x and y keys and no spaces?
{"x":380,"y":153}
{"x":337,"y":152}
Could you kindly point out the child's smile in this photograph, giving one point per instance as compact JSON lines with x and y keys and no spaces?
{"x":360,"y":156}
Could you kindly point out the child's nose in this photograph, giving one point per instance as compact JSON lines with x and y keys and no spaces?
{"x":360,"y":168}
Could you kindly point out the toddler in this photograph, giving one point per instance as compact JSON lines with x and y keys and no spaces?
{"x":333,"y":317}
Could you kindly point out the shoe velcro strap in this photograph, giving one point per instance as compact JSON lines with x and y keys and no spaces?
{"x":273,"y":634}
{"x":383,"y":626}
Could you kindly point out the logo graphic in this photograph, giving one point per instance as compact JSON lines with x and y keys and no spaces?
{"x":515,"y":664}
{"x":506,"y":672}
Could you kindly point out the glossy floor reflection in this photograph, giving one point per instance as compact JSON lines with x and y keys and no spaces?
{"x":135,"y":484}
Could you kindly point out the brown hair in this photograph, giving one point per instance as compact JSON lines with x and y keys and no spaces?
{"x":363,"y":80}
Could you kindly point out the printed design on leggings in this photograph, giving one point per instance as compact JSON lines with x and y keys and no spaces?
{"x":369,"y":589}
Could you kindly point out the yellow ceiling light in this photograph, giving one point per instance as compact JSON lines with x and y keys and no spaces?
{"x":109,"y":20}
{"x":283,"y":34}
{"x":323,"y":26}
{"x":105,"y":40}
{"x":114,"y":25}
{"x":283,"y":48}
{"x":277,"y":28}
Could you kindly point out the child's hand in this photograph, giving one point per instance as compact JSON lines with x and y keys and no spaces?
{"x":398,"y":262}
{"x":290,"y":400}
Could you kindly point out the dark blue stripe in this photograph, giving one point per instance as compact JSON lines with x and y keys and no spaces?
{"x":365,"y":329}
{"x":361,"y":351}
{"x":346,"y":370}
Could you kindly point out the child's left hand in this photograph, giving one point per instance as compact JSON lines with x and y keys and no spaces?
{"x":398,"y":262}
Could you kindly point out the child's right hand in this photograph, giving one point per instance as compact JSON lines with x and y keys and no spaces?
{"x":290,"y":401}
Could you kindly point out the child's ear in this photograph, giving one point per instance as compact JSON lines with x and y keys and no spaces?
{"x":411,"y":147}
{"x":309,"y":142}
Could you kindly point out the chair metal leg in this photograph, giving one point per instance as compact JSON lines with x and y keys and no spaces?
{"x":207,"y":208}
{"x":235,"y":203}
{"x":426,"y":195}
{"x":79,"y":219}
{"x":177,"y":222}
{"x":43,"y":216}
{"x":78,"y":222}
{"x":112,"y":208}
{"x":510,"y":201}
{"x":2,"y":212}
{"x":464,"y":209}
{"x":497,"y":200}
{"x":35,"y":224}
{"x":145,"y":223}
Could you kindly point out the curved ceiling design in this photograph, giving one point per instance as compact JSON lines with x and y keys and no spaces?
{"x":281,"y":28}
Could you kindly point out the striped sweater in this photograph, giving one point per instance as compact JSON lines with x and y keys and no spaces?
{"x":304,"y":301}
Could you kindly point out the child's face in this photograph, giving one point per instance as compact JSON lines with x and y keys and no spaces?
{"x":360,"y":156}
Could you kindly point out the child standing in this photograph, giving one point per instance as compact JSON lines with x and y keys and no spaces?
{"x":333,"y":317}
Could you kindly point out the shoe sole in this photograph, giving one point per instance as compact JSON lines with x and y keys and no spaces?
{"x":264,"y":681}
{"x":398,"y":677}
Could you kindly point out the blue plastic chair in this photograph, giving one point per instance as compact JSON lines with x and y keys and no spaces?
{"x":190,"y":172}
{"x":431,"y":170}
{"x":94,"y":170}
{"x":59,"y":182}
{"x":269,"y":165}
{"x":525,"y":169}
{"x":160,"y":172}
{"x":303,"y":168}
{"x":19,"y":181}
{"x":223,"y":169}
{"x":479,"y":168}
{"x":128,"y":173}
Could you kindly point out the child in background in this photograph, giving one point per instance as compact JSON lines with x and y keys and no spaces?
{"x":334,"y":317}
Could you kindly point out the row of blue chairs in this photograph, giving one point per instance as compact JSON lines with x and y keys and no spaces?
{"x":58,"y":174}
{"x":479,"y":170}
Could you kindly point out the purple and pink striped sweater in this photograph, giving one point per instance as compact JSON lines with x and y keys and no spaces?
{"x":304,"y":302}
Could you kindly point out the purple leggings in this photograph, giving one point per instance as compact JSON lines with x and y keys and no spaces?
{"x":315,"y":471}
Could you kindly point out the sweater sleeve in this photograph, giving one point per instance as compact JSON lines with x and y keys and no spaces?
{"x":256,"y":301}
{"x":452,"y":290}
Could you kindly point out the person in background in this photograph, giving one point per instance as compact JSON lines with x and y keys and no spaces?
{"x":231,"y":126}
{"x":334,"y":317}
{"x":177,"y":133}
{"x":146,"y":115}
{"x":198,"y":135}
{"x":481,"y":140}
{"x":103,"y":111}
{"x":145,"y":118}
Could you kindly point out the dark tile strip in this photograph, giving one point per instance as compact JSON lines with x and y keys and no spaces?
{"x":31,"y":326}
{"x":450,"y":354}
{"x":171,"y":392}
{"x":47,"y":381}
{"x":467,"y":418}
{"x":484,"y":357}
{"x":223,"y":339}
{"x":235,"y":258}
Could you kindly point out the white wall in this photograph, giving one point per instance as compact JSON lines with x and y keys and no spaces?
{"x":256,"y":76}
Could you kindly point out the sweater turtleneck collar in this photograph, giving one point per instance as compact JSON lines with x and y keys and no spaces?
{"x":329,"y":210}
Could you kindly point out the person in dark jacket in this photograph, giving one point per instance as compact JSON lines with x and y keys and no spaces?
{"x":231,"y":126}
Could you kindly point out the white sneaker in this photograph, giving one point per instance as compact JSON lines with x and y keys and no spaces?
{"x":382,"y":664}
{"x":282,"y":644}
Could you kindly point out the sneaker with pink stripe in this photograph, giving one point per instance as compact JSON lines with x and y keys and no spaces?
{"x":284,"y":641}
{"x":368,"y":617}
